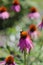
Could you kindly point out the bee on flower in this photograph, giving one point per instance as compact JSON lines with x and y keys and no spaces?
{"x":25,"y":42}
{"x":34,"y":14}
{"x":8,"y":61}
{"x":16,"y":6}
{"x":3,"y":13}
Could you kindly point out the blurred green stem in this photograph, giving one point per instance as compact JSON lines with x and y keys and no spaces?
{"x":28,"y":58}
{"x":24,"y":56}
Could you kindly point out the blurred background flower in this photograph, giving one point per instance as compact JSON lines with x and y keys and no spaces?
{"x":33,"y":32}
{"x":3,"y":13}
{"x":33,"y":13}
{"x":16,"y":6}
{"x":9,"y":60}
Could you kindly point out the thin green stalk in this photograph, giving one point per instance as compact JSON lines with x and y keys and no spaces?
{"x":25,"y":57}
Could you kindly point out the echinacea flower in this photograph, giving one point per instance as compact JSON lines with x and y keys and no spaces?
{"x":25,"y":42}
{"x":33,"y":32}
{"x":33,"y":13}
{"x":3,"y":13}
{"x":8,"y":61}
{"x":41,"y":25}
{"x":16,"y":6}
{"x":32,"y":28}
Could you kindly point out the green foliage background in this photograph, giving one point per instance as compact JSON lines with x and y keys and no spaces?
{"x":13,"y":26}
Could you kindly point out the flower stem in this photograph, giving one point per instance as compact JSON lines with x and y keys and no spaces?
{"x":24,"y":57}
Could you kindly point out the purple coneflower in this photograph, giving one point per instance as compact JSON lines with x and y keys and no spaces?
{"x":25,"y":42}
{"x":8,"y":61}
{"x":34,"y":33}
{"x":3,"y":13}
{"x":33,"y":13}
{"x":16,"y":6}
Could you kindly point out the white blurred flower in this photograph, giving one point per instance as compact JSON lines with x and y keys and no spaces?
{"x":11,"y":44}
{"x":18,"y":35}
{"x":2,"y":40}
{"x":12,"y":38}
{"x":18,"y":28}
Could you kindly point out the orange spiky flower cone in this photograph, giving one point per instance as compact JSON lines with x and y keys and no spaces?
{"x":32,"y":28}
{"x":3,"y":9}
{"x":16,"y":2}
{"x":33,"y":9}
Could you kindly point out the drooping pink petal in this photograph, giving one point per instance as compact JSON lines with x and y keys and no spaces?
{"x":22,"y":44}
{"x":28,"y":50}
{"x":2,"y":62}
{"x":15,"y":63}
{"x":29,"y":42}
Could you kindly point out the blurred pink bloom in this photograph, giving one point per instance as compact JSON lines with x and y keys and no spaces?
{"x":34,"y":35}
{"x":9,"y":61}
{"x":4,"y":15}
{"x":34,"y":15}
{"x":33,"y":31}
{"x":25,"y":43}
{"x":4,"y":63}
{"x":16,"y":8}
